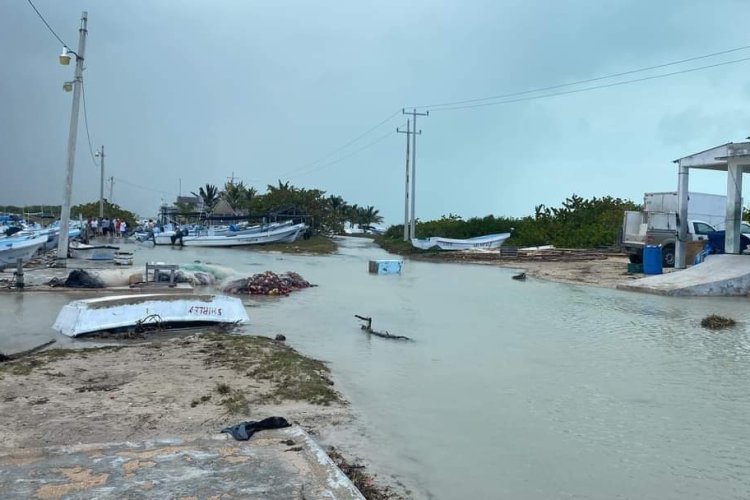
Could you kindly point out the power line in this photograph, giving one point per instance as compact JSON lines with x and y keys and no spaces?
{"x":46,"y":23}
{"x":86,"y":122}
{"x":588,"y":80}
{"x":360,"y":136}
{"x":595,"y":87}
{"x":339,"y":160}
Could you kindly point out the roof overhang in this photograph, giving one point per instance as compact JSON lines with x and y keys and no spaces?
{"x":719,"y":157}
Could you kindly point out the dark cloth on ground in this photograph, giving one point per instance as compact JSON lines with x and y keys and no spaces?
{"x":243,"y":431}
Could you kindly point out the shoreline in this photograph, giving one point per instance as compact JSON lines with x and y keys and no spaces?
{"x":185,"y":387}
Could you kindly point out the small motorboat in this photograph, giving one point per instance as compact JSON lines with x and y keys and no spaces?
{"x":489,"y":241}
{"x":12,"y":249}
{"x":128,"y":313}
{"x":78,"y":250}
{"x":123,"y":258}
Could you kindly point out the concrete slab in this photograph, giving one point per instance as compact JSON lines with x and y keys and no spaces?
{"x":719,"y":276}
{"x":274,"y":464}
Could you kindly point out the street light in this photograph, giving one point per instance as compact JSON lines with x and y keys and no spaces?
{"x":65,"y":56}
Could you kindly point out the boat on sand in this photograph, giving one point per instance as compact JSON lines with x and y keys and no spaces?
{"x":12,"y":249}
{"x":145,"y":311}
{"x":79,"y":250}
{"x":485,"y":242}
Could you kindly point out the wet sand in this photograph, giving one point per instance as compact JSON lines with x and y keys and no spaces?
{"x":186,"y":387}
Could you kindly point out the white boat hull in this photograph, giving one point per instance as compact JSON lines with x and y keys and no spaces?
{"x":484,"y":242}
{"x":273,"y":235}
{"x":92,"y":252}
{"x":12,"y":249}
{"x":129,"y":311}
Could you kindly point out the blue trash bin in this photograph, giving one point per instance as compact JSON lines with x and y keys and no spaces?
{"x":652,"y":259}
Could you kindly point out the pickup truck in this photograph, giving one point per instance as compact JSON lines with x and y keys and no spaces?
{"x":641,"y":229}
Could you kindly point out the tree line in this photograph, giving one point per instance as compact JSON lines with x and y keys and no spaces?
{"x":328,"y":213}
{"x":577,"y":223}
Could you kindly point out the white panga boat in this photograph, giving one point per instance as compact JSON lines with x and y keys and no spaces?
{"x":131,"y":312}
{"x":276,"y":234}
{"x":123,"y":258}
{"x":12,"y":249}
{"x":487,"y":241}
{"x":79,"y":250}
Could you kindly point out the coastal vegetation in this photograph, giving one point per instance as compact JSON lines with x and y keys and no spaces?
{"x":577,"y":223}
{"x":323,"y":212}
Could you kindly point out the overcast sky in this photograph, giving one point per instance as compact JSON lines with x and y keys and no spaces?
{"x":190,"y":92}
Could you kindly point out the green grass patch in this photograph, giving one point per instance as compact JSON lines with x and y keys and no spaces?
{"x":27,"y":364}
{"x":291,"y":375}
{"x":318,"y":244}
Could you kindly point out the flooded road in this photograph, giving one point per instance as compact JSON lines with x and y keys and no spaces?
{"x":511,"y":389}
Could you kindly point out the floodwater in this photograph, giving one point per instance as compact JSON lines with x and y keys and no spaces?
{"x":530,"y":390}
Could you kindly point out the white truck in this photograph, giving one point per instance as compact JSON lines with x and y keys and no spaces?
{"x":658,"y":222}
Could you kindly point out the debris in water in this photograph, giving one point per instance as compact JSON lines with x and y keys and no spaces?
{"x":716,"y":322}
{"x":385,"y":335}
{"x":520,"y":276}
{"x":267,"y":283}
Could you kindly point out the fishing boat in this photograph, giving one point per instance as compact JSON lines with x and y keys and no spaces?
{"x":146,"y":311}
{"x":275,"y":234}
{"x":12,"y":249}
{"x":483,"y":242}
{"x":78,"y":250}
{"x":123,"y":258}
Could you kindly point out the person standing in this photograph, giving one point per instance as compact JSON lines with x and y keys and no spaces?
{"x":123,"y":228}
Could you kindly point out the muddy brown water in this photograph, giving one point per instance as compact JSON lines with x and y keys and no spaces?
{"x":511,"y":389}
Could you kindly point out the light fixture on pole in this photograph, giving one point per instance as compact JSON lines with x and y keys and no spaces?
{"x":62,"y":242}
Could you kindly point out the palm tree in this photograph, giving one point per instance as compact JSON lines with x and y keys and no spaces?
{"x":209,"y":195}
{"x":369,"y":216}
{"x":234,"y":193}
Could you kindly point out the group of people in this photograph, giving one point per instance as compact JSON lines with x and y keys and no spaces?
{"x":105,"y":226}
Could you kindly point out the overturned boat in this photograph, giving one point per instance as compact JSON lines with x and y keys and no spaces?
{"x":78,"y":250}
{"x":487,"y":241}
{"x":144,"y":311}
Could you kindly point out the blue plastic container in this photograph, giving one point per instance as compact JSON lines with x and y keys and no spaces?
{"x":652,"y":263}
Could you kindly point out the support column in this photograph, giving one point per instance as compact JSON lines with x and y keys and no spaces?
{"x":734,"y":207}
{"x":682,"y":212}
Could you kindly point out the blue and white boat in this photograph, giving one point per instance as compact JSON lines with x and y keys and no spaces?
{"x":24,"y":248}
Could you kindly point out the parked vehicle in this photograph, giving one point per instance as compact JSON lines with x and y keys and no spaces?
{"x":658,"y":223}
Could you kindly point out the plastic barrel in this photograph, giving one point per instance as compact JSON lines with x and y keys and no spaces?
{"x":652,"y":259}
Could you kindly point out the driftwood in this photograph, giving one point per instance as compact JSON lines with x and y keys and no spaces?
{"x":385,"y":335}
{"x":11,"y":357}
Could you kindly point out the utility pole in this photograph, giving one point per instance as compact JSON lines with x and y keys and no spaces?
{"x":62,"y":242}
{"x":408,"y":132}
{"x":100,"y":155}
{"x":111,"y":188}
{"x":414,"y":115}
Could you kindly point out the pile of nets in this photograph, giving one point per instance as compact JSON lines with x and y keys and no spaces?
{"x":267,"y":283}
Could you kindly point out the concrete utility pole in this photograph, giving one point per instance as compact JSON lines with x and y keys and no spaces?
{"x":62,"y":245}
{"x":415,"y":133}
{"x":100,"y":154}
{"x":111,"y":188}
{"x":408,"y":132}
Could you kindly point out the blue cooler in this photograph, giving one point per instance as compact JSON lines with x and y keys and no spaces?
{"x":652,"y":259}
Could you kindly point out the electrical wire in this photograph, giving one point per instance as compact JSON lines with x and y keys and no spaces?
{"x":86,"y":122}
{"x":332,"y":153}
{"x":339,"y":160}
{"x":595,"y":87}
{"x":588,"y":80}
{"x":47,"y":24}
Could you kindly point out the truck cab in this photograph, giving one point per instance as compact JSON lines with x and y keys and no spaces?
{"x":640,"y":229}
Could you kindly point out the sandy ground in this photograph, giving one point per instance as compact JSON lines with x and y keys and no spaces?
{"x":143,"y":391}
{"x":608,"y":272}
